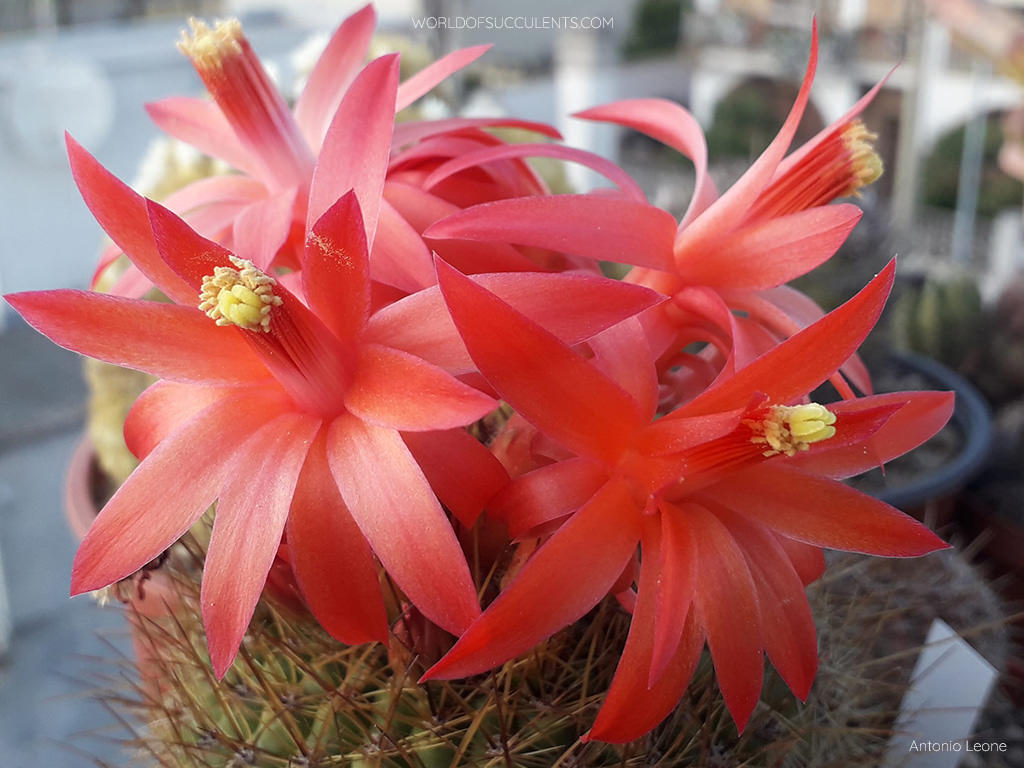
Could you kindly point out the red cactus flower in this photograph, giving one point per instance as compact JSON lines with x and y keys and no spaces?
{"x":303,"y":414}
{"x":773,"y":225}
{"x":729,"y":498}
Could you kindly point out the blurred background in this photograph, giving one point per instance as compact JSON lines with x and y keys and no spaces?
{"x":950,"y":134}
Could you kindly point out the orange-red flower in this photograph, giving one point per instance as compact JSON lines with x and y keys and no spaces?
{"x":285,"y":401}
{"x":729,"y":498}
{"x":771,"y":226}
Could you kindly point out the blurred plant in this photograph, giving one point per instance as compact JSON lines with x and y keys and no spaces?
{"x":656,"y":28}
{"x":941,"y":317}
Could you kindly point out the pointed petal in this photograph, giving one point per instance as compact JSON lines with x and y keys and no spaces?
{"x":632,"y":706}
{"x":392,"y":504}
{"x":551,"y":386}
{"x":672,"y":125}
{"x":421,"y":209}
{"x":786,"y":311}
{"x":215,"y":189}
{"x":330,"y":557}
{"x":262,"y":227}
{"x":823,"y":512}
{"x":486,"y":155}
{"x":424,"y":81}
{"x":460,"y":469}
{"x":729,"y":210}
{"x":400,"y":257}
{"x":566,"y":577}
{"x":674,"y":435}
{"x":789,"y":635}
{"x":336,"y":269}
{"x":919,"y":416}
{"x":674,"y":589}
{"x":357,"y":145}
{"x":397,"y":390}
{"x":413,"y":131}
{"x":189,"y":254}
{"x":726,"y":602}
{"x":154,"y":507}
{"x":798,"y":365}
{"x":593,"y":226}
{"x":574,"y":307}
{"x":623,"y":354}
{"x":247,"y":528}
{"x":333,"y":73}
{"x":164,"y":407}
{"x":808,"y":561}
{"x":546,"y":494}
{"x":122,"y":214}
{"x":167,"y":340}
{"x":201,"y":124}
{"x":772,"y":252}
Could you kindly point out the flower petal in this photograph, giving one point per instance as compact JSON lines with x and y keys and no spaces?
{"x":574,"y":307}
{"x":672,"y":125}
{"x":333,"y":73}
{"x":413,"y":131}
{"x":674,"y":589}
{"x":167,"y":340}
{"x":400,"y":257}
{"x":122,"y":214}
{"x":632,"y":706}
{"x":164,"y":407}
{"x":610,"y":170}
{"x":551,"y":386}
{"x":769,"y":253}
{"x":357,"y":145}
{"x":154,"y":507}
{"x":594,"y":226}
{"x":201,"y":124}
{"x":546,"y":494}
{"x":330,"y":557}
{"x":728,"y":211}
{"x":392,"y":504}
{"x":336,"y":269}
{"x":460,"y":469}
{"x":801,"y":363}
{"x":786,"y":622}
{"x":566,"y":577}
{"x":919,"y":416}
{"x":263,"y":227}
{"x":808,"y":561}
{"x":726,"y":602}
{"x":247,"y":528}
{"x":822,"y":512}
{"x":424,"y":81}
{"x":394,"y":389}
{"x":189,"y":254}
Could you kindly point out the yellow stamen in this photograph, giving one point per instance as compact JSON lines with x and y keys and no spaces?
{"x":865,"y":164}
{"x":791,"y":428}
{"x":242,"y":296}
{"x":207,"y":47}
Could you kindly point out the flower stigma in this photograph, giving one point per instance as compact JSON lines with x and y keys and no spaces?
{"x":242,"y":296}
{"x":788,"y":429}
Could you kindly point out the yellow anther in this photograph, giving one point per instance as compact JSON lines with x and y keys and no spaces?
{"x":791,"y":428}
{"x":866,"y":165}
{"x":242,"y":296}
{"x":207,"y":46}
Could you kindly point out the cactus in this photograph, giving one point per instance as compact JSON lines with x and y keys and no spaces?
{"x":941,"y":319}
{"x":295,"y":697}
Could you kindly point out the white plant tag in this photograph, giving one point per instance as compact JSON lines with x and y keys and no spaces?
{"x":950,"y":684}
